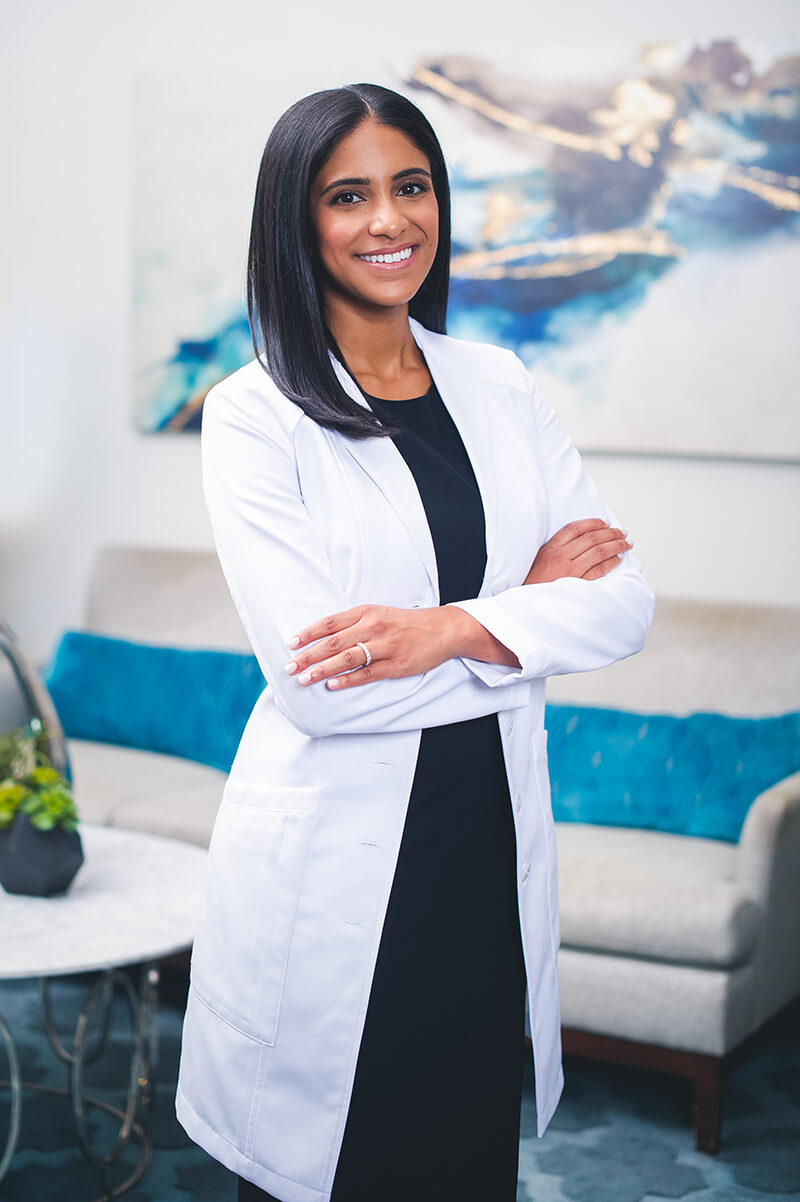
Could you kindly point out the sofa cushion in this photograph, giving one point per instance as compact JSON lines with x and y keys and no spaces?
{"x":695,"y":775}
{"x":682,"y":1006}
{"x":145,"y":791}
{"x":169,"y":596}
{"x":654,"y":895}
{"x":193,"y":704}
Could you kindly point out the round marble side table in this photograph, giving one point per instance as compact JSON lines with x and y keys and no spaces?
{"x":134,"y":901}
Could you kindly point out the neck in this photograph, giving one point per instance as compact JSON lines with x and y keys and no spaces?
{"x":378,"y":347}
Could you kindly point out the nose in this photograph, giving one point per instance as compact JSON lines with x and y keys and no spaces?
{"x":386,"y":219}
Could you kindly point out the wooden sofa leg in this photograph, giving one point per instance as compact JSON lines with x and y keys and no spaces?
{"x":707,"y":1086}
{"x":705,"y":1071}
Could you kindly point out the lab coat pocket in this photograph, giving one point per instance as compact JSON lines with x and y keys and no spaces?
{"x":542,"y":776}
{"x":256,"y":861}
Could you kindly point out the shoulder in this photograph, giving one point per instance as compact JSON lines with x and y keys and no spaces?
{"x":499,"y":370}
{"x":250,"y":400}
{"x":490,"y":363}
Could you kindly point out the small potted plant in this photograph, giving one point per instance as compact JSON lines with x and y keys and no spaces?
{"x":40,"y":848}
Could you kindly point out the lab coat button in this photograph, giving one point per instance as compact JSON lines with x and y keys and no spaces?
{"x":526,"y":868}
{"x":509,"y":725}
{"x":518,"y":803}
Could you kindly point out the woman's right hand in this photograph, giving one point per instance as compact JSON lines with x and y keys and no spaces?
{"x":587,"y":549}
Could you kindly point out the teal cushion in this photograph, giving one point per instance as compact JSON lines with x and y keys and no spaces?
{"x":182,"y":702}
{"x":696,"y":775}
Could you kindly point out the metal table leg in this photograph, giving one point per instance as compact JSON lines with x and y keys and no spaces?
{"x":142,"y":1007}
{"x":14,"y":1083}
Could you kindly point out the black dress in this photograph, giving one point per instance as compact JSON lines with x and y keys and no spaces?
{"x":435,"y":1108}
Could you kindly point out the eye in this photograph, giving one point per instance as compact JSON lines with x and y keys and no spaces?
{"x":413,"y":188}
{"x":345,"y":198}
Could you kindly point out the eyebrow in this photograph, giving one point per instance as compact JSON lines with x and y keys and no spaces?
{"x":362,"y":183}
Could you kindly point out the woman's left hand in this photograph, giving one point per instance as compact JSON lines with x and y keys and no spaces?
{"x":401,"y":642}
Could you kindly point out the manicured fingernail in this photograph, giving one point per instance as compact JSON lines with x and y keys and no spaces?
{"x":294,"y":641}
{"x":290,"y":668}
{"x":304,"y":677}
{"x":333,"y":684}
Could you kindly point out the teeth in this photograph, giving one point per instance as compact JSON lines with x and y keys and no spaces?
{"x":396,"y":257}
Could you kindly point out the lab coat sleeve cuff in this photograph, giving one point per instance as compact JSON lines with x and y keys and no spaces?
{"x":508,"y":631}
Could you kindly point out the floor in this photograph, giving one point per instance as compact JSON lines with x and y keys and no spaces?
{"x":619,"y":1135}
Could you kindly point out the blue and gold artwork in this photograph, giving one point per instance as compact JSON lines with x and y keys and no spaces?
{"x":627,"y":223}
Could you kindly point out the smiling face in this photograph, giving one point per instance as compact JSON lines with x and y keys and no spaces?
{"x":376,"y":219}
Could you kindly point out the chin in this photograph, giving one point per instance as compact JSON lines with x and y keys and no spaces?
{"x":380,"y":300}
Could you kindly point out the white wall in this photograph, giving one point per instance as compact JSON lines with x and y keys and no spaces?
{"x":74,"y":473}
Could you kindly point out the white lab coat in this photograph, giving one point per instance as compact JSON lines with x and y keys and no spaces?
{"x":307,"y":523}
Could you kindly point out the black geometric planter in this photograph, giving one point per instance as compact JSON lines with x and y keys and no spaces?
{"x":39,"y":863}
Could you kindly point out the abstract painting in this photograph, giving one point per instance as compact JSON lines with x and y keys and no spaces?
{"x":626,"y":221}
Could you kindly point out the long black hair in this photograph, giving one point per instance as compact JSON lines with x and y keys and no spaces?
{"x":290,"y":336}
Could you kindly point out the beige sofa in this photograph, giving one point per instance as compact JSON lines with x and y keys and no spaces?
{"x":674,"y":949}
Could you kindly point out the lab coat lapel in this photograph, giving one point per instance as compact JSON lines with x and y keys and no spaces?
{"x":467,"y":400}
{"x":382,"y":461}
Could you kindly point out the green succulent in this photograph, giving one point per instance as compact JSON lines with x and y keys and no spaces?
{"x":12,"y":795}
{"x":30,"y":785}
{"x":52,"y":807}
{"x":44,"y":776}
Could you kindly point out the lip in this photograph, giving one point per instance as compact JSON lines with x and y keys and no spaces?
{"x":390,"y":250}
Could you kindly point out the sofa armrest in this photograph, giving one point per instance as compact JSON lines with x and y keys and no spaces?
{"x":769,"y":872}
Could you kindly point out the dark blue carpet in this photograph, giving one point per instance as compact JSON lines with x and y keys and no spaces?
{"x":620,"y":1135}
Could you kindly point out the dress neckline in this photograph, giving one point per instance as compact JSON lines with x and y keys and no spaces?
{"x":404,"y":401}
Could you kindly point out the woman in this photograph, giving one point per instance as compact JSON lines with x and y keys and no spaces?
{"x":413,"y":547}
